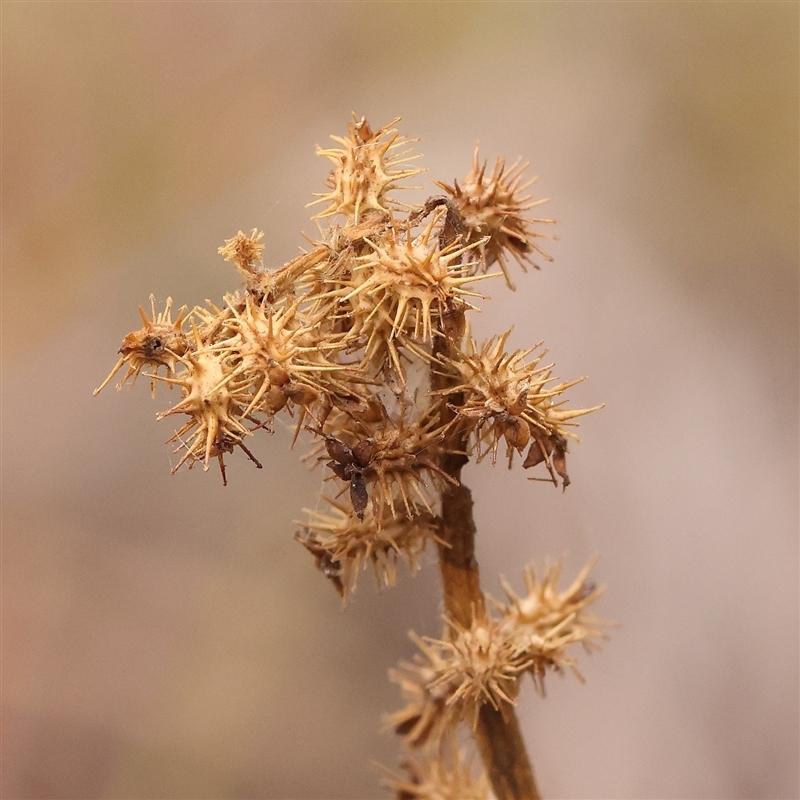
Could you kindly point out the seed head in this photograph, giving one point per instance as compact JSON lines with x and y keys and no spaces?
{"x":495,"y":214}
{"x":160,"y":343}
{"x":344,"y":545}
{"x":438,"y":776}
{"x":504,"y":396}
{"x":214,"y":402}
{"x":406,"y":281}
{"x":476,"y":665}
{"x":245,"y":252}
{"x":394,"y":461}
{"x":545,"y":622}
{"x":365,"y":170}
{"x":276,"y":351}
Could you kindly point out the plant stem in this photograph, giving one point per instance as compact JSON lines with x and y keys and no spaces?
{"x":497,"y":733}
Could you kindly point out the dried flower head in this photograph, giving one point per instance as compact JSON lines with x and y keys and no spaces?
{"x":494,"y":213}
{"x":278,"y":353}
{"x":451,"y":679}
{"x":546,"y":622}
{"x":503,"y":396}
{"x":403,"y":283}
{"x":214,"y":403}
{"x":344,"y":545}
{"x":160,"y":343}
{"x":393,"y":460}
{"x":365,"y":170}
{"x":245,"y":252}
{"x":440,"y":776}
{"x":478,"y":665}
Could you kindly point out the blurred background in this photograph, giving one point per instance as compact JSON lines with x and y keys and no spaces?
{"x":165,"y":637}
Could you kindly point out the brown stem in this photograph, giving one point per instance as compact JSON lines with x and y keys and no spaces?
{"x":504,"y":756}
{"x":497,"y":733}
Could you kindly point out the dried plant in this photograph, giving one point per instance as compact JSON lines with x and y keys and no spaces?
{"x":363,"y":340}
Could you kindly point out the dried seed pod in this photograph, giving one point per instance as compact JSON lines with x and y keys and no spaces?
{"x":274,"y":400}
{"x":552,"y":450}
{"x":346,"y":544}
{"x":365,"y":170}
{"x":494,"y":213}
{"x":546,"y":622}
{"x":444,"y":774}
{"x":338,"y":450}
{"x":301,"y":395}
{"x":364,"y":452}
{"x":516,"y":431}
{"x":278,"y":376}
{"x":213,"y":400}
{"x":505,"y":396}
{"x":160,"y":343}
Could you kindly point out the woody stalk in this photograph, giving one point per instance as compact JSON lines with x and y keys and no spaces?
{"x":363,"y":340}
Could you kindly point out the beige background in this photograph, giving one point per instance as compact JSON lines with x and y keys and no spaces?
{"x":164,"y":637}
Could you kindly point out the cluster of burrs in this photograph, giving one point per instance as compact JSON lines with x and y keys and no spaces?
{"x":452,"y":678}
{"x":363,"y":341}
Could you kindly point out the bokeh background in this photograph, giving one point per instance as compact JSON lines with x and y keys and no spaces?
{"x":165,"y":637}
